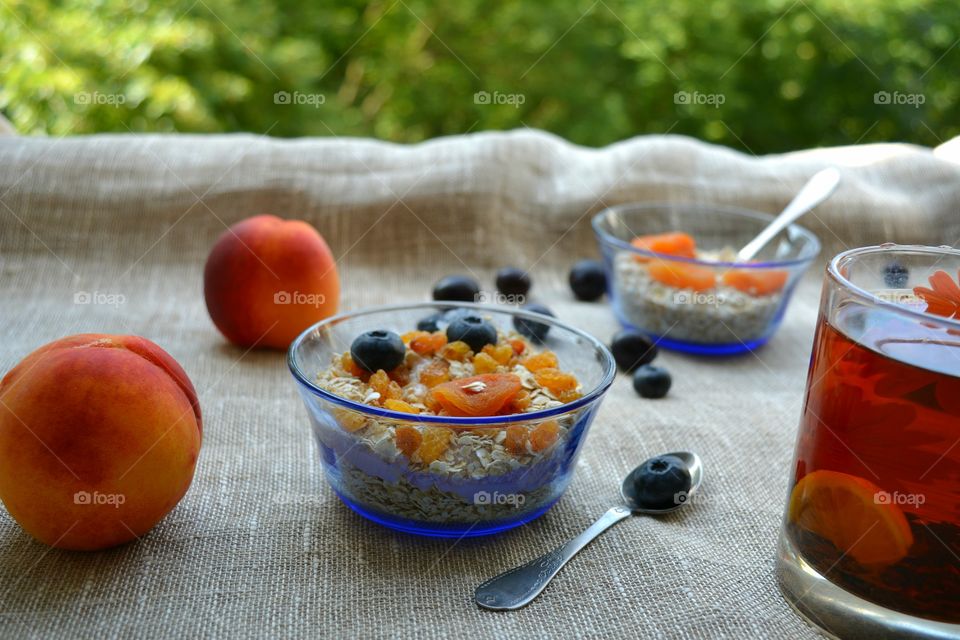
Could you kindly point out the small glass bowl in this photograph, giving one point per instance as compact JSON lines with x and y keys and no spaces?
{"x":482,"y":492}
{"x":741,"y":309}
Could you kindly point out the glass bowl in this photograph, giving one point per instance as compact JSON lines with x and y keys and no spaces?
{"x":709,"y":304}
{"x":476,"y":489}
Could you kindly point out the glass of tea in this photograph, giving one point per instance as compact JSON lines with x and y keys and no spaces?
{"x":870,"y":544}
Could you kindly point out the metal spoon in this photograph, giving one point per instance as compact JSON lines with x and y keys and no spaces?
{"x":817,"y":189}
{"x":518,"y":587}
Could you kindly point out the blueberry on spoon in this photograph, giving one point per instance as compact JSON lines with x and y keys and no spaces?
{"x":661,"y":483}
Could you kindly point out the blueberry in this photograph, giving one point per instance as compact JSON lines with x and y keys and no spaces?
{"x":630,"y":349}
{"x":513,"y":282}
{"x":651,"y":382}
{"x":588,"y":280}
{"x":536,"y":331}
{"x":661,"y":483}
{"x":473,"y":330}
{"x":431,"y":323}
{"x":895,"y":275}
{"x":457,"y":288}
{"x":378,"y":349}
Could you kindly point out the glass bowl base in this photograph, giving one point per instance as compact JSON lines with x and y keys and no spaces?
{"x":698,"y":348}
{"x":465,"y":530}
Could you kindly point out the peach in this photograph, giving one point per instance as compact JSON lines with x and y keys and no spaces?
{"x":267,"y":280}
{"x":99,"y":437}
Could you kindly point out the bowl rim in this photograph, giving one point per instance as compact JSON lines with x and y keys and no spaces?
{"x":834,"y":272}
{"x":608,"y":364}
{"x":724,"y":210}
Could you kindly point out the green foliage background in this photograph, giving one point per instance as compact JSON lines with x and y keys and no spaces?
{"x":792,"y":73}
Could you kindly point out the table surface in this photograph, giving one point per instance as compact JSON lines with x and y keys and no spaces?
{"x":260,"y":545}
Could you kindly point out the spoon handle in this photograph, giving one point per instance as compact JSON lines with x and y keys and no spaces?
{"x":519,"y":586}
{"x":815,"y":191}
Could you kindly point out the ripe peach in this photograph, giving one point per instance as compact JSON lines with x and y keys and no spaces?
{"x":267,"y":279}
{"x":99,"y":437}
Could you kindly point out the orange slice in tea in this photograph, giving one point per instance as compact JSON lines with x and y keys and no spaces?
{"x":852,"y":513}
{"x":483,"y":395}
{"x":756,"y":282}
{"x":675,"y":243}
{"x":681,"y":275}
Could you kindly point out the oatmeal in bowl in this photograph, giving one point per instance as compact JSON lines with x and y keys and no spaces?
{"x":449,"y":419}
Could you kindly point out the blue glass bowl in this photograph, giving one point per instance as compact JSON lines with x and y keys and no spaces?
{"x":489,"y":493}
{"x":715,"y":320}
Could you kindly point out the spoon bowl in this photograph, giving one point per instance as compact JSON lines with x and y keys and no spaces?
{"x":693,"y":465}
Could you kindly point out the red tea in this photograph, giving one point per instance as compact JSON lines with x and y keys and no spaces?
{"x":875,"y":503}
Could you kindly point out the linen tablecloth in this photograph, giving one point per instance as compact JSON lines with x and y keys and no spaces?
{"x":260,"y":546}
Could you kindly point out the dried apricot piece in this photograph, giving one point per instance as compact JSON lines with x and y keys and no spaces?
{"x":400,"y":405}
{"x":434,"y":444}
{"x":483,"y":395}
{"x":430,"y":402}
{"x":410,"y":336}
{"x":400,"y":375}
{"x":437,"y":372}
{"x":394,"y":391}
{"x":502,"y":353}
{"x":520,"y":401}
{"x":349,"y":420}
{"x":542,"y":360}
{"x":428,"y":343}
{"x":457,"y":350}
{"x":516,"y":440}
{"x":544,"y":435}
{"x":407,"y":439}
{"x":756,"y":282}
{"x":556,"y":381}
{"x":518,"y":346}
{"x":674,"y":243}
{"x":681,"y":275}
{"x":484,"y":363}
{"x":569,"y":396}
{"x":381,"y":383}
{"x":351,"y":367}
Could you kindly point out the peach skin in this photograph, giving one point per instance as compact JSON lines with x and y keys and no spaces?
{"x":99,"y":438}
{"x":266,"y":280}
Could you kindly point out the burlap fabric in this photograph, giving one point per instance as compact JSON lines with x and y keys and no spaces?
{"x":260,"y":546}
